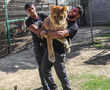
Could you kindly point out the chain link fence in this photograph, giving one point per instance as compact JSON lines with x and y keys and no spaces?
{"x":3,"y":41}
{"x":98,"y":20}
{"x":12,"y":15}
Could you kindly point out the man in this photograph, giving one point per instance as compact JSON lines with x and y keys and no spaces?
{"x":73,"y":16}
{"x":33,"y":23}
{"x":59,"y":49}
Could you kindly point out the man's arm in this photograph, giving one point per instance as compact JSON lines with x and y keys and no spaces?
{"x":59,"y":34}
{"x":33,"y":28}
{"x":70,"y":32}
{"x":55,"y":34}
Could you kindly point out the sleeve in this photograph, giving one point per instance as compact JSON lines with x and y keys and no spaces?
{"x":28,"y":22}
{"x":42,"y":16}
{"x":72,"y":30}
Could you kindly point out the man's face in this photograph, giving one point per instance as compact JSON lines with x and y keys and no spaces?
{"x":31,"y":11}
{"x":74,"y":12}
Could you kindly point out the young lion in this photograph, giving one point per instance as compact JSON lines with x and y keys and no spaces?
{"x":55,"y":21}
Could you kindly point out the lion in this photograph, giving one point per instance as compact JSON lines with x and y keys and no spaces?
{"x":54,"y":22}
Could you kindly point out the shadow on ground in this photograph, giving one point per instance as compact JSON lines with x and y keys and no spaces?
{"x":75,"y":49}
{"x":38,"y":88}
{"x":99,"y":59}
{"x":23,"y":60}
{"x":26,"y":60}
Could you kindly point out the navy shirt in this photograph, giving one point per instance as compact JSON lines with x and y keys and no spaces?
{"x":58,"y":46}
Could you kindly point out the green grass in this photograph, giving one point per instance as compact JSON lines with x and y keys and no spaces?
{"x":2,"y":89}
{"x":97,"y":44}
{"x":100,"y":39}
{"x":100,"y":46}
{"x":97,"y":83}
{"x":105,"y":36}
{"x":13,"y":89}
{"x":89,"y":82}
{"x":28,"y":89}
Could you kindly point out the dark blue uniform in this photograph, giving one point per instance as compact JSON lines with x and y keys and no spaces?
{"x":39,"y":46}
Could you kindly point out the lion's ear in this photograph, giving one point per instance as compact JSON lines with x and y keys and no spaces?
{"x":52,"y":7}
{"x":65,"y":8}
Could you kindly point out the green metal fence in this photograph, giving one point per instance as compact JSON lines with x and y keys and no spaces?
{"x":7,"y":21}
{"x":11,"y":12}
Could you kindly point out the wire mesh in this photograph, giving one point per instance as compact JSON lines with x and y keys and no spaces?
{"x":3,"y":41}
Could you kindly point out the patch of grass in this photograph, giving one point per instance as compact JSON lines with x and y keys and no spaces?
{"x":102,"y":41}
{"x":101,"y":46}
{"x":89,"y":82}
{"x":98,"y":43}
{"x":106,"y":47}
{"x":97,"y":83}
{"x":28,"y":89}
{"x":105,"y":27}
{"x":2,"y":89}
{"x":106,"y":36}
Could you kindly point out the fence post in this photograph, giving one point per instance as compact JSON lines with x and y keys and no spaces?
{"x":56,"y":2}
{"x":6,"y":23}
{"x":91,"y":21}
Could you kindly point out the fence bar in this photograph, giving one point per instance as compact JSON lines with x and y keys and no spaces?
{"x":6,"y":23}
{"x":91,"y":21}
{"x":15,"y":20}
{"x":56,"y":2}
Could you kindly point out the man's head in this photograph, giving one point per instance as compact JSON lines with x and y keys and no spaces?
{"x":30,"y":9}
{"x":75,"y":13}
{"x":81,"y":12}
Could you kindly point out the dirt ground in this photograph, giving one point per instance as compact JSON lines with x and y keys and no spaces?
{"x":20,"y":69}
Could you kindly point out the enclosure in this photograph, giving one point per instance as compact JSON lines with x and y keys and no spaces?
{"x":88,"y":60}
{"x":12,"y":18}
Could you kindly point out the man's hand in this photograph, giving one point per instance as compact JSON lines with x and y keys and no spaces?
{"x":43,"y":33}
{"x":63,"y":33}
{"x":33,"y":28}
